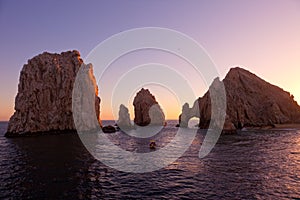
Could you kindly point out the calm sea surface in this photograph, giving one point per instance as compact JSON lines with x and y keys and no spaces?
{"x":249,"y":165}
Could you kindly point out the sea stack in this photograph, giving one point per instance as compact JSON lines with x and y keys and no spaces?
{"x":124,"y":118}
{"x":44,"y":99}
{"x":251,"y":102}
{"x":147,"y":110}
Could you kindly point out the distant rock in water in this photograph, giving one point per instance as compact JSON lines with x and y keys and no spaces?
{"x":251,"y":102}
{"x":124,"y":118}
{"x":109,"y":129}
{"x":44,"y":99}
{"x":147,"y":110}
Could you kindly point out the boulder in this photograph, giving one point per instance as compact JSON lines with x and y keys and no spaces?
{"x":109,"y":129}
{"x":44,"y":99}
{"x":147,"y":110}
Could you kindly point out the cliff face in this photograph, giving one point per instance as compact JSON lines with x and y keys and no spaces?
{"x":147,"y":110}
{"x":44,"y":99}
{"x":251,"y":102}
{"x":269,"y":103}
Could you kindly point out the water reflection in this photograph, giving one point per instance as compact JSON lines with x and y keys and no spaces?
{"x":252,"y":165}
{"x":52,"y":167}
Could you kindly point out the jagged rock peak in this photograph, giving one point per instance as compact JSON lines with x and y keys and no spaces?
{"x":144,"y":95}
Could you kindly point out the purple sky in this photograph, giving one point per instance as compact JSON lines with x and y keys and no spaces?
{"x":262,"y":36}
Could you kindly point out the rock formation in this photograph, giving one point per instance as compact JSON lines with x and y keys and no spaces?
{"x":85,"y":102}
{"x":251,"y":102}
{"x":109,"y":129}
{"x":188,"y":113}
{"x":124,"y":118}
{"x":44,"y":99}
{"x":147,"y":110}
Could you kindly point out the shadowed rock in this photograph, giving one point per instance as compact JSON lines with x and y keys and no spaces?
{"x":109,"y":129}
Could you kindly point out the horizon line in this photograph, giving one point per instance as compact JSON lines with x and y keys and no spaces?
{"x":101,"y":120}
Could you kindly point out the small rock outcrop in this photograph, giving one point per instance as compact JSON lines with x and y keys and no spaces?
{"x":44,"y":99}
{"x":124,"y":118}
{"x":251,"y":102}
{"x":109,"y":129}
{"x":147,"y":110}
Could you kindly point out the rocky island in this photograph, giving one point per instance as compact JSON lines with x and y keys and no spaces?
{"x":44,"y":99}
{"x":147,"y":111}
{"x":251,"y":102}
{"x":124,"y":118}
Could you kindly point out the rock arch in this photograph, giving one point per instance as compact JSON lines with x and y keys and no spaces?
{"x":188,"y":113}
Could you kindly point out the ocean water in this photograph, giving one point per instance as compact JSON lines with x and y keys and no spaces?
{"x":249,"y":165}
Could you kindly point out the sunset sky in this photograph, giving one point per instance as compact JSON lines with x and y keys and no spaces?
{"x":262,"y":36}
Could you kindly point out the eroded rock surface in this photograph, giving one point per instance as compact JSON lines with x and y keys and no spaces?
{"x":85,"y":100}
{"x":124,"y":118}
{"x":251,"y":102}
{"x":44,"y":99}
{"x":147,"y":110}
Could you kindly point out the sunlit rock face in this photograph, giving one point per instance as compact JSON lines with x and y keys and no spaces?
{"x":251,"y":102}
{"x":85,"y":100}
{"x":124,"y":118}
{"x":44,"y":99}
{"x":147,"y":110}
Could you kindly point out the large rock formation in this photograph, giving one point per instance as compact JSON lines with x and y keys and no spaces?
{"x":251,"y":102}
{"x":147,"y":110}
{"x":44,"y":99}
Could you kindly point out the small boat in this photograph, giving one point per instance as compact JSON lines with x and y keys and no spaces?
{"x":152,"y":144}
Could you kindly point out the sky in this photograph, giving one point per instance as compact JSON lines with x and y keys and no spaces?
{"x":259,"y":35}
